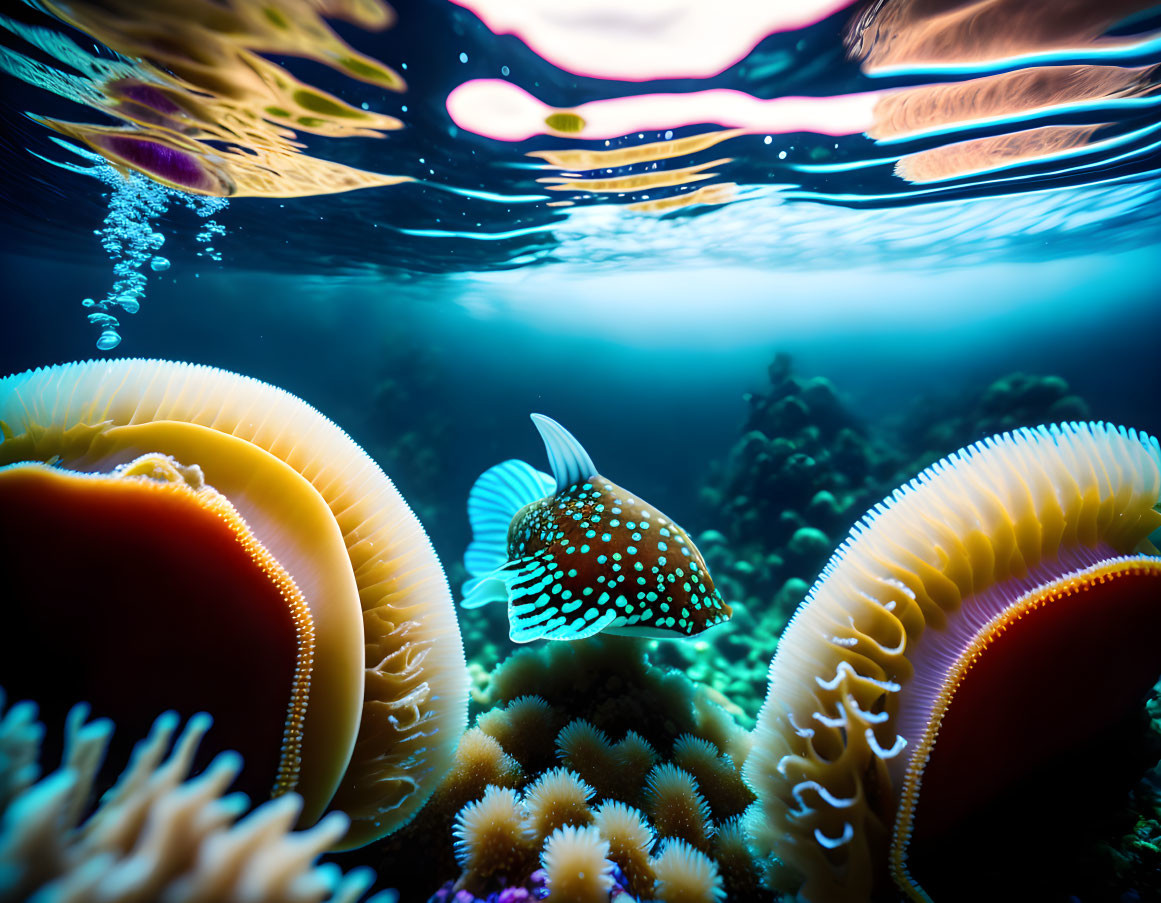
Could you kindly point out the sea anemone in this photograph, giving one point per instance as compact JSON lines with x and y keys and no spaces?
{"x":635,"y":758}
{"x":527,"y":726}
{"x":686,"y":875}
{"x":557,"y":798}
{"x":577,"y":866}
{"x":158,"y":833}
{"x":717,"y":777}
{"x":479,"y":762}
{"x":947,"y":651}
{"x":193,"y":508}
{"x":741,"y":876}
{"x":606,"y":684}
{"x":630,"y":842}
{"x":676,"y":808}
{"x":587,"y":751}
{"x":491,"y":839}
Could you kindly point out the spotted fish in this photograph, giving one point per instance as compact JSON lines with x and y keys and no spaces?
{"x":575,"y":554}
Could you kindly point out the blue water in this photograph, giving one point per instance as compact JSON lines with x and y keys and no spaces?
{"x":429,"y":318}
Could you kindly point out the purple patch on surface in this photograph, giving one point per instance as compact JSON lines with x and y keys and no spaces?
{"x":169,"y":163}
{"x":147,"y":96}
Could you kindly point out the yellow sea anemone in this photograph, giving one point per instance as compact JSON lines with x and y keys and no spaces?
{"x":686,"y":875}
{"x":630,"y":843}
{"x":676,"y":808}
{"x":577,"y":866}
{"x":491,"y":839}
{"x":586,"y":749}
{"x":999,"y":608}
{"x":202,"y":540}
{"x":557,"y":798}
{"x":525,"y":727}
{"x":634,"y":757}
{"x":719,"y":781}
{"x":479,"y":761}
{"x":741,"y":876}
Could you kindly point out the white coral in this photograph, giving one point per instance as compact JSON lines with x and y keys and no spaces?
{"x":158,"y":834}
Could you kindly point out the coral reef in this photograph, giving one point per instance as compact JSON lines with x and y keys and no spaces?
{"x":587,"y":735}
{"x":933,"y":427}
{"x":804,"y":469}
{"x":160,"y":833}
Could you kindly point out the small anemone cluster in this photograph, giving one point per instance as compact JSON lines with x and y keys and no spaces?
{"x":159,"y":833}
{"x":588,"y":752}
{"x":612,"y":819}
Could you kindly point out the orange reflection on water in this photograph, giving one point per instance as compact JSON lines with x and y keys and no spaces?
{"x":937,"y":32}
{"x":902,"y":33}
{"x":721,"y":193}
{"x":661,"y":178}
{"x":583,"y":170}
{"x":209,"y":113}
{"x":982,"y":154}
{"x":581,"y":158}
{"x":1010,"y":94}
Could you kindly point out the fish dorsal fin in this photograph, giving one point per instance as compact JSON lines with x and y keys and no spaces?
{"x":570,"y":462}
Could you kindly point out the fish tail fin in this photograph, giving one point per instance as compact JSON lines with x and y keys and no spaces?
{"x":496,"y":496}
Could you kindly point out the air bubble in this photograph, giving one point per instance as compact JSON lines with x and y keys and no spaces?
{"x":130,"y":240}
{"x":108,"y":340}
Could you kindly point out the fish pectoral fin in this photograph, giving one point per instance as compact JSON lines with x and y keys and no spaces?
{"x":493,"y":585}
{"x":539,"y":609}
{"x":481,"y":590}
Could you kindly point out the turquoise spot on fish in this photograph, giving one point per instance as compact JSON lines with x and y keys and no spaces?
{"x":523,"y":521}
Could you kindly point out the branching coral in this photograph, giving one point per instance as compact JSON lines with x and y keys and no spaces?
{"x":159,"y":833}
